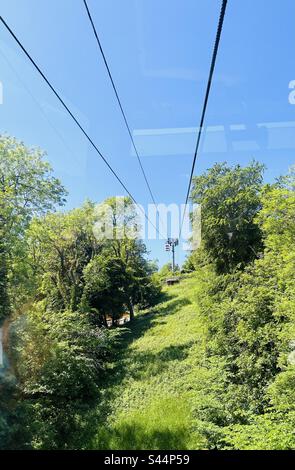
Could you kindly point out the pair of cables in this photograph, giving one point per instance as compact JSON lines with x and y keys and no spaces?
{"x":90,"y":140}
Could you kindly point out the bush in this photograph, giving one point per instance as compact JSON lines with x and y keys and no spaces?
{"x":61,"y":360}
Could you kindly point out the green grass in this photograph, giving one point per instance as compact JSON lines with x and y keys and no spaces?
{"x":160,"y":384}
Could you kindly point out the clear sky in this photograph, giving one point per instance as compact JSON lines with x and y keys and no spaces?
{"x":159,"y":52}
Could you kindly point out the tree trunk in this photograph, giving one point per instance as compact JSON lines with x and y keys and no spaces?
{"x":131,"y":309}
{"x":4,"y":299}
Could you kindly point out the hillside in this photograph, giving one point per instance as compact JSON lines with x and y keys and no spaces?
{"x":208,"y":365}
{"x":160,"y":377}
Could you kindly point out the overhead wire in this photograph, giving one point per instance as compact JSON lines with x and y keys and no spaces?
{"x":42,"y":74}
{"x":118,"y":99}
{"x":208,"y":87}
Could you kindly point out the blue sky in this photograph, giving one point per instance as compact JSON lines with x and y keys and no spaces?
{"x":159,"y":52}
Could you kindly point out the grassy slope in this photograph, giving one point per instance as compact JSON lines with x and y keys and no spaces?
{"x":161,"y":382}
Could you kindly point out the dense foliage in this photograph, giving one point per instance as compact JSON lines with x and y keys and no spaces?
{"x":248,"y":311}
{"x":229,"y":198}
{"x":212,"y":366}
{"x":59,"y":282}
{"x":208,"y":364}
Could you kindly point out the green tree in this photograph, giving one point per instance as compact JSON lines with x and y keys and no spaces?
{"x":105,"y":288}
{"x":115,"y":284}
{"x":61,"y":246}
{"x":27,"y":188}
{"x":230,"y":199}
{"x":60,"y":363}
{"x":124,"y":254}
{"x":250,"y":318}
